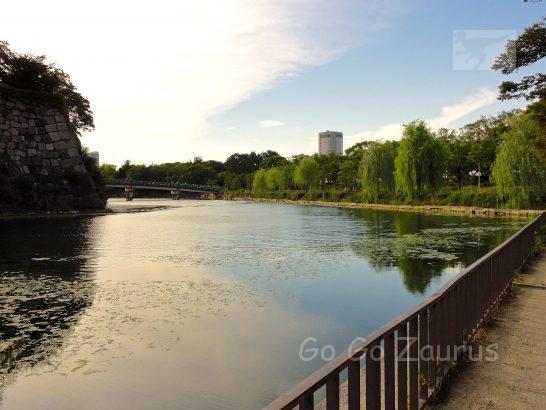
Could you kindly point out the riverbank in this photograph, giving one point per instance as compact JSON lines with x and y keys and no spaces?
{"x":409,"y":208}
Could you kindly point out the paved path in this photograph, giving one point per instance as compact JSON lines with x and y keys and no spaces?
{"x":517,"y":380}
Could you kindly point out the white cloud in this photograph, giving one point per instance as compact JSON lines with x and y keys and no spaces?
{"x":271,"y":123}
{"x":450,"y":113}
{"x":470,"y":104}
{"x":155,"y":72}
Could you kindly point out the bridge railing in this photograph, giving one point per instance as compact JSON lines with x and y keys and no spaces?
{"x":173,"y":185}
{"x":405,"y":362}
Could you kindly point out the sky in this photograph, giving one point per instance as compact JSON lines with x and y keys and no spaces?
{"x":169,"y":81}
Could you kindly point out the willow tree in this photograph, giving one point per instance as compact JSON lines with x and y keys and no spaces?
{"x":517,"y":171}
{"x":273,"y":178}
{"x":420,"y":161}
{"x":377,"y":170}
{"x":307,"y":173}
{"x":259,"y":183}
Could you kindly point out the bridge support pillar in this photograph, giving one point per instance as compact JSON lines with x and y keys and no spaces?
{"x":129,"y":193}
{"x":175,"y":194}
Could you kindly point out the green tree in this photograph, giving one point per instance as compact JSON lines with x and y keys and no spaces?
{"x":230,"y":180}
{"x":273,"y":161}
{"x":30,"y":72}
{"x":527,"y":49}
{"x":108,"y":171}
{"x":457,"y":149}
{"x":377,"y":170}
{"x":420,"y":161}
{"x":517,"y":171}
{"x":259,"y":183}
{"x":272,"y":178}
{"x":328,"y":168}
{"x":348,"y":176}
{"x":286,"y":176}
{"x":306,"y":173}
{"x":537,"y":111}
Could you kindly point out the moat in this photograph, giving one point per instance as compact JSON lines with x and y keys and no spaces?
{"x":205,"y":304}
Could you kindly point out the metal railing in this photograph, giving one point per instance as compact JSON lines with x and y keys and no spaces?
{"x":406,"y":361}
{"x":157,"y":184}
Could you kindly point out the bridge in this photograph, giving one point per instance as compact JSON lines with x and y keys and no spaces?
{"x":175,"y":188}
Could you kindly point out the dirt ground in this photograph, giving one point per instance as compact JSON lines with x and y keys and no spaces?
{"x":517,"y":380}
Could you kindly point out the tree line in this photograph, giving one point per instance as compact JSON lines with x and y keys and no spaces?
{"x":501,"y":156}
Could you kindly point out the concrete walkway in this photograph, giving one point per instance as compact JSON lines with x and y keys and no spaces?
{"x":517,"y":380}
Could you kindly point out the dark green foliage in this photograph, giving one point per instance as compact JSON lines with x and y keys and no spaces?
{"x":527,"y":49}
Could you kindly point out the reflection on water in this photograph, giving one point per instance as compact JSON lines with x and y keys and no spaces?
{"x":205,"y":304}
{"x":420,"y":249}
{"x":45,"y":285}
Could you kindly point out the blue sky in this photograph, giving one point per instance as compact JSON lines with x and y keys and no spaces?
{"x":169,"y":81}
{"x":405,"y":72}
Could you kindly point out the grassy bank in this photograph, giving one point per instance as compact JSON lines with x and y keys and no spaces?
{"x":470,"y":200}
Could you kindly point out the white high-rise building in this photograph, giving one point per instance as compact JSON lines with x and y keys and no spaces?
{"x":95,"y":156}
{"x":330,"y":142}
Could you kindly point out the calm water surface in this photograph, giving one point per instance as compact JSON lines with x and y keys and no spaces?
{"x":204,"y":305}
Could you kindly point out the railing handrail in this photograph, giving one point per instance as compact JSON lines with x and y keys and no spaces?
{"x":318,"y":378}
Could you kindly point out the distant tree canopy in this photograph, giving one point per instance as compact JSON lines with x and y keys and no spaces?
{"x":420,"y":161}
{"x":527,"y":49}
{"x":30,"y":72}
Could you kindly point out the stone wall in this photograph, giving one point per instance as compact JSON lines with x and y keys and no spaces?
{"x":41,"y":168}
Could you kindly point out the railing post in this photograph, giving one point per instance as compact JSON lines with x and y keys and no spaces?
{"x":389,"y":371}
{"x":353,"y":384}
{"x":402,"y":366}
{"x":414,"y":364}
{"x":423,"y":344}
{"x":373,"y":377}
{"x":332,"y":392}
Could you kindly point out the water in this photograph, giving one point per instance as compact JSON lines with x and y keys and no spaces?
{"x":204,"y":305}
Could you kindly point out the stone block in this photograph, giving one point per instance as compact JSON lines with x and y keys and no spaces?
{"x":59,"y":145}
{"x":72,"y":152}
{"x":67,"y":135}
{"x":79,"y":168}
{"x":70,"y":162}
{"x":55,"y":136}
{"x":51,"y":127}
{"x":49,"y":147}
{"x":61,"y":126}
{"x":32,"y":152}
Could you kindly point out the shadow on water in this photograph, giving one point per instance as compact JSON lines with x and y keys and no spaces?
{"x":46,"y":282}
{"x":422,"y":248}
